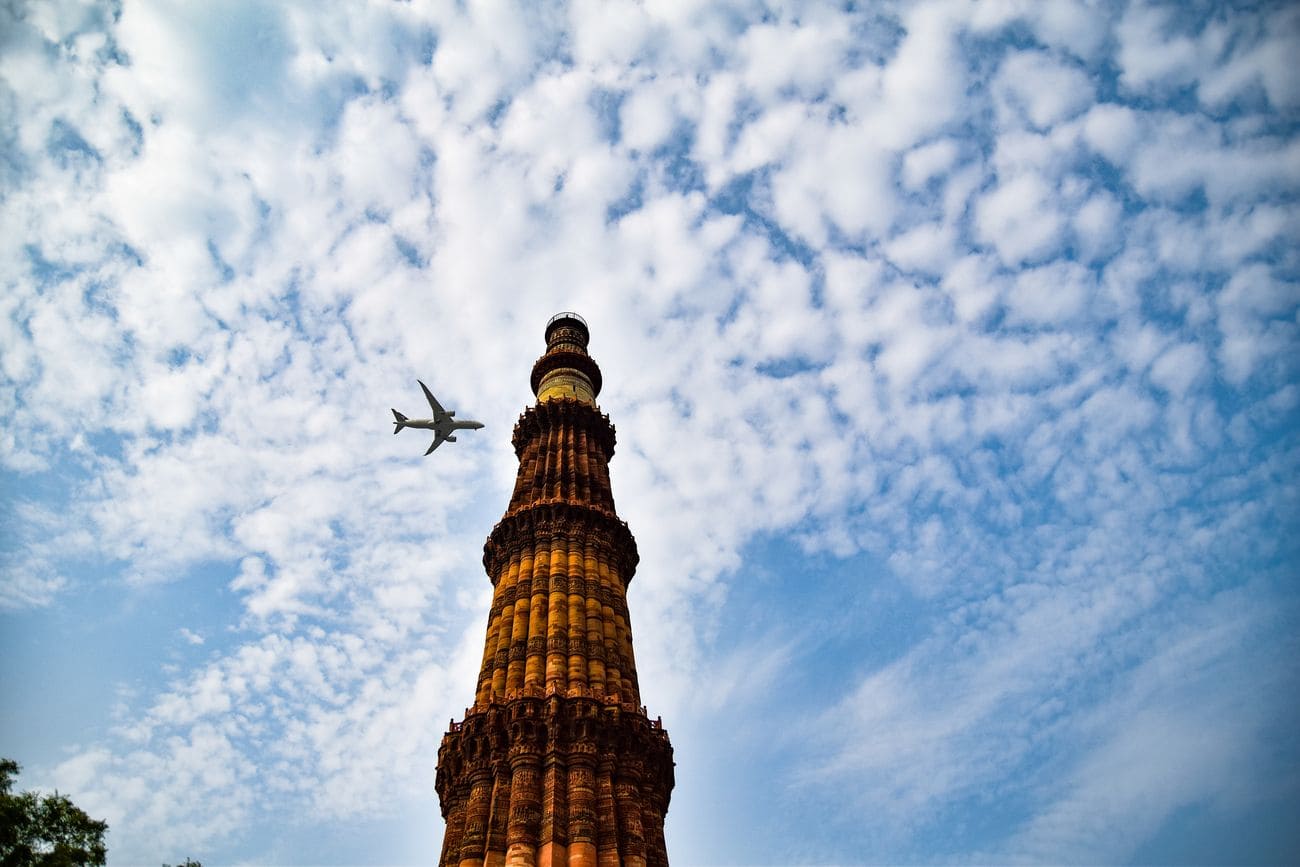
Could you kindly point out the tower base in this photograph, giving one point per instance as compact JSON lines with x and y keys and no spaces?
{"x":555,"y":781}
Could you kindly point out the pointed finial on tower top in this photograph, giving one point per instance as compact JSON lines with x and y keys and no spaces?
{"x":566,"y":370}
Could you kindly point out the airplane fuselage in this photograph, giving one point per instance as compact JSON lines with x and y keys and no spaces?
{"x":440,"y":425}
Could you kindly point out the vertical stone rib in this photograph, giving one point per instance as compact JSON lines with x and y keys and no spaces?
{"x":554,"y":456}
{"x":629,"y":669}
{"x":570,"y":463}
{"x":557,"y":622}
{"x":501,"y":659}
{"x":525,"y":812}
{"x":580,"y":494}
{"x":554,"y":848}
{"x":582,"y":813}
{"x":483,"y":692}
{"x":630,"y":834}
{"x":565,"y":435}
{"x":575,"y":468}
{"x":608,"y":641}
{"x":535,"y":663}
{"x":527,"y":472}
{"x":624,"y":639}
{"x":452,"y":838}
{"x":577,"y":637}
{"x":474,"y":841}
{"x":595,"y":642}
{"x":495,"y":855}
{"x":607,"y":854}
{"x":562,"y":450}
{"x":519,"y":634}
{"x":656,"y":851}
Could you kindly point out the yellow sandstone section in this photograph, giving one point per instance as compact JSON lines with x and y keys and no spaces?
{"x":566,"y":382}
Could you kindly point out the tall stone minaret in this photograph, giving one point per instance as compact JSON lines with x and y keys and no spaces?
{"x":557,"y":763}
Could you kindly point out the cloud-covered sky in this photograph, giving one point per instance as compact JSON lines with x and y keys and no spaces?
{"x":952,"y":348}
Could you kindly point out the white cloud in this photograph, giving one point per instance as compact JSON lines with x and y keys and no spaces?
{"x":1019,"y":218}
{"x":171,"y":398}
{"x":930,"y":159}
{"x":485,"y":49}
{"x":789,"y":59}
{"x":649,"y":114}
{"x":1151,"y":51}
{"x":1186,"y":156}
{"x":1044,"y":90}
{"x":1049,"y":294}
{"x":1178,"y":368}
{"x":203,"y":67}
{"x":372,"y":177}
{"x":612,"y":34}
{"x":1097,"y":226}
{"x":858,"y":199}
{"x":770,"y":138}
{"x":1112,"y":130}
{"x":922,"y":85}
{"x":1072,"y":25}
{"x":1257,"y":321}
{"x":973,"y":284}
{"x":928,"y":248}
{"x":1264,"y":63}
{"x":29,"y":585}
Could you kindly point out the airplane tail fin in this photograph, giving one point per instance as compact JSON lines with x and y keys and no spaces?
{"x":400,"y":423}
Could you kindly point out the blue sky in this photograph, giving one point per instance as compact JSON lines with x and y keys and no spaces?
{"x":952,"y":349}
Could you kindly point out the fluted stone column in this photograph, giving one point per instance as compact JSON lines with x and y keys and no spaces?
{"x":557,"y":764}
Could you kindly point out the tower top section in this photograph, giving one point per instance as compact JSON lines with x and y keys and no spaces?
{"x":572,"y":322}
{"x":565,"y":369}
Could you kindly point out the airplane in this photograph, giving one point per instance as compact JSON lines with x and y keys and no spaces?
{"x":442,"y":423}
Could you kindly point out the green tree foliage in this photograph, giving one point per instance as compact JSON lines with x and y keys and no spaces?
{"x":48,"y":831}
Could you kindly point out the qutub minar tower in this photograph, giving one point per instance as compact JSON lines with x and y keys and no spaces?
{"x":557,"y":764}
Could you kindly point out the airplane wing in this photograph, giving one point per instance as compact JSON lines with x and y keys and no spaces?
{"x":439,"y":438}
{"x":438,"y":411}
